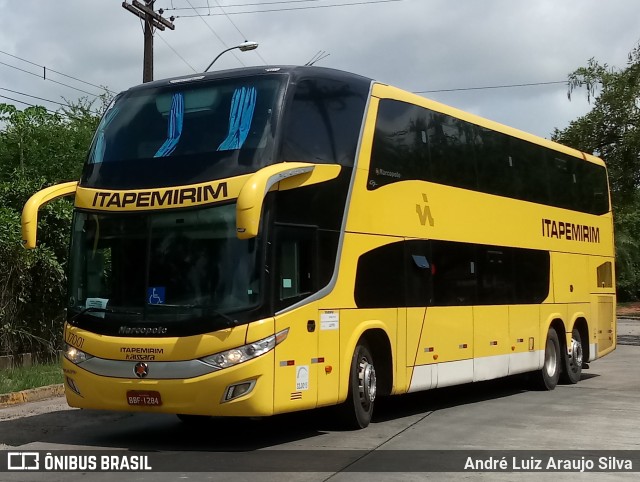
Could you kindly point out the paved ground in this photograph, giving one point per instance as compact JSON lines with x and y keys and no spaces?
{"x":600,"y":413}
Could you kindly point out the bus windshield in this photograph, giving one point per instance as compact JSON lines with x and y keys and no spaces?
{"x":162,"y":266}
{"x":185,"y":133}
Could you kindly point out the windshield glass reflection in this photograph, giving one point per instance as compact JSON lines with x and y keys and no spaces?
{"x":171,"y":264}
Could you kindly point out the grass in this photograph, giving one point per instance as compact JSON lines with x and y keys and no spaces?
{"x":23,"y":378}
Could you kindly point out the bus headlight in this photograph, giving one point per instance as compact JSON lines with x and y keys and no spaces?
{"x":229,"y":358}
{"x":74,"y":355}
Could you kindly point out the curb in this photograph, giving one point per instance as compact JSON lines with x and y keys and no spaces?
{"x":32,"y":395}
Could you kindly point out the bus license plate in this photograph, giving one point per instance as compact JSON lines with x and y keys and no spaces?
{"x":144,"y":399}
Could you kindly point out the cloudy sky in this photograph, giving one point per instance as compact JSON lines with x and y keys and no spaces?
{"x":418,"y":45}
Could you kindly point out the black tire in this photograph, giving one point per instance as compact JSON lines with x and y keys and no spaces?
{"x":572,"y":364}
{"x":357,"y":410}
{"x":547,"y":378}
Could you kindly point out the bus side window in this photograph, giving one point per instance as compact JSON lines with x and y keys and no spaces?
{"x":418,"y":271}
{"x":455,"y":281}
{"x":380,"y":277}
{"x":495,"y":273}
{"x":295,"y":261}
{"x":563,"y":182}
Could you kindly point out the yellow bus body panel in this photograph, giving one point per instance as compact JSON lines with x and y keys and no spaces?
{"x":429,"y":346}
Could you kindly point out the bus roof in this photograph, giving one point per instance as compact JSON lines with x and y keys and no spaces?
{"x":294,"y":71}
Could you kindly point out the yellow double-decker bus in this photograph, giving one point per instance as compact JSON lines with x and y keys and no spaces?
{"x":265,"y":240}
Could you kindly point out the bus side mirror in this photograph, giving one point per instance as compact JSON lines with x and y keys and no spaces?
{"x":290,"y":175}
{"x":35,"y":202}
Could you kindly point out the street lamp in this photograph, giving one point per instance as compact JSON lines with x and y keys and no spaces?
{"x":246,"y":45}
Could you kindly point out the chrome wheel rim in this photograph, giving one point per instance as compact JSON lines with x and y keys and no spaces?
{"x":550,"y":359}
{"x":366,"y":382}
{"x":576,"y":354}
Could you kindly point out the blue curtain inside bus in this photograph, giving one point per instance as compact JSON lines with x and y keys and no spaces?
{"x":176,"y":117}
{"x":242,"y":106}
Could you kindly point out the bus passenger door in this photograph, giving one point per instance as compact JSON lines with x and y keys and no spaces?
{"x":296,"y":359}
{"x":446,"y":344}
{"x":418,"y":295}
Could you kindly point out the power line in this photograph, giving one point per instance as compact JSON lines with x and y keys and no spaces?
{"x":27,"y":103}
{"x":61,"y":114}
{"x":62,"y":104}
{"x":50,"y":80}
{"x":176,"y":52}
{"x":45,"y":69}
{"x":490,"y":87}
{"x":236,"y":27}
{"x":32,"y":96}
{"x":213,"y":32}
{"x":308,"y":7}
{"x":245,"y":4}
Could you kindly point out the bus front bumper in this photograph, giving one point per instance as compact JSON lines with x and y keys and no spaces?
{"x":244,"y":390}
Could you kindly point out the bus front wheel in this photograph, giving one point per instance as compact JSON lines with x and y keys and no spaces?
{"x":573,"y":363}
{"x":547,"y":377}
{"x":358,"y":408}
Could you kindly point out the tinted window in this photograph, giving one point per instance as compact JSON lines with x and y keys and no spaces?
{"x":495,"y":163}
{"x":319,"y":205}
{"x":531,"y":272}
{"x":185,"y":133}
{"x":411,"y":142}
{"x":418,"y":273}
{"x":592,"y":189}
{"x":395,"y":275}
{"x":451,"y":151}
{"x":445,"y":273}
{"x":455,"y":274}
{"x":495,"y":270}
{"x":562,"y":180}
{"x":380,"y":278}
{"x":295,"y":262}
{"x":399,"y":144}
{"x":323,"y":122}
{"x":529,"y":167}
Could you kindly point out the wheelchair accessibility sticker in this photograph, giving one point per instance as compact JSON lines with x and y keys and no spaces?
{"x":156,"y":295}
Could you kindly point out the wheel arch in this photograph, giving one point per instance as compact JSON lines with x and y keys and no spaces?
{"x":558,"y":325}
{"x":582,"y":325}
{"x":378,"y":339}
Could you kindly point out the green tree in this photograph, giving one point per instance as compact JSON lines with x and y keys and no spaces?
{"x":38,"y":149}
{"x":37,"y":143}
{"x":611,"y":130}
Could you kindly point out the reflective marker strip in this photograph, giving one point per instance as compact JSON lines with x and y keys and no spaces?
{"x":317,"y":360}
{"x":287,"y":363}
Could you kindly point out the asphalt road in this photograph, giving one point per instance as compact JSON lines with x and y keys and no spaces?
{"x":601,"y":413}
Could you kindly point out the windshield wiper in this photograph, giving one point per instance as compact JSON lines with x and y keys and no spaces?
{"x":208,"y":308}
{"x":95,"y":309}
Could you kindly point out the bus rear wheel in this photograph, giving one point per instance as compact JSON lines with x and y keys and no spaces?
{"x":573,"y":363}
{"x":358,"y":408}
{"x":547,"y":378}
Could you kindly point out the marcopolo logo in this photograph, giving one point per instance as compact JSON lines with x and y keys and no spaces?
{"x":138,"y":330}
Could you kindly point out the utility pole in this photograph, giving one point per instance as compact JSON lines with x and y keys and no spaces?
{"x":151,"y":21}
